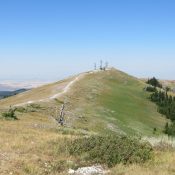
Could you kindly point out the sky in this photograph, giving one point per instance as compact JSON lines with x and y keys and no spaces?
{"x":52,"y":39}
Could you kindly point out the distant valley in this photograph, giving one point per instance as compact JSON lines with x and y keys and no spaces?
{"x":15,"y":85}
{"x":11,"y":88}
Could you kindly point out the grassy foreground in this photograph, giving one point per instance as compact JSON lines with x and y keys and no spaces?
{"x":34,"y":144}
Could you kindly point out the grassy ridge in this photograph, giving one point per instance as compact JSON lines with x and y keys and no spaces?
{"x":101,"y":101}
{"x":113,"y":100}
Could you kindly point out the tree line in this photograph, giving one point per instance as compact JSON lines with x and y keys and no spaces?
{"x":165,"y":103}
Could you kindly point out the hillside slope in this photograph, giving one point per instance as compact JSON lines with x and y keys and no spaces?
{"x":98,"y":101}
{"x":41,"y":94}
{"x":112,"y":100}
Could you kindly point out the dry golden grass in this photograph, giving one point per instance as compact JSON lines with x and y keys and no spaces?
{"x":30,"y":145}
{"x":163,"y":164}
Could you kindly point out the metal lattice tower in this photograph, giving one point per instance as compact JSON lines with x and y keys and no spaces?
{"x":101,"y":64}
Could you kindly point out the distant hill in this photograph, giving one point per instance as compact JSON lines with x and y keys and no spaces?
{"x":169,"y":83}
{"x":5,"y":94}
{"x":165,"y":83}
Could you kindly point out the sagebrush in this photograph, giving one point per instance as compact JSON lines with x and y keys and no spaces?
{"x":111,"y":150}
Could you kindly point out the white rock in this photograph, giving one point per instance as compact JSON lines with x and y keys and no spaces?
{"x":71,"y":171}
{"x":88,"y":171}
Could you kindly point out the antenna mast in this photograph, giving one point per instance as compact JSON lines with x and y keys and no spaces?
{"x":101,"y":64}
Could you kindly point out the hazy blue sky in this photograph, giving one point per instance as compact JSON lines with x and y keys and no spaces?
{"x":50,"y":39}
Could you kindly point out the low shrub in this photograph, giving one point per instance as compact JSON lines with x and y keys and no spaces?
{"x":111,"y":150}
{"x":10,"y":114}
{"x":34,"y":105}
{"x":21,"y":109}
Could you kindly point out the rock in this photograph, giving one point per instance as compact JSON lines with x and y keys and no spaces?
{"x":98,"y":170}
{"x":71,"y":171}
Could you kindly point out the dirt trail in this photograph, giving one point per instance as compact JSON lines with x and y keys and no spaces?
{"x":65,"y":90}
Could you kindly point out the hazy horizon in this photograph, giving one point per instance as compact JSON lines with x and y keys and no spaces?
{"x":50,"y":40}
